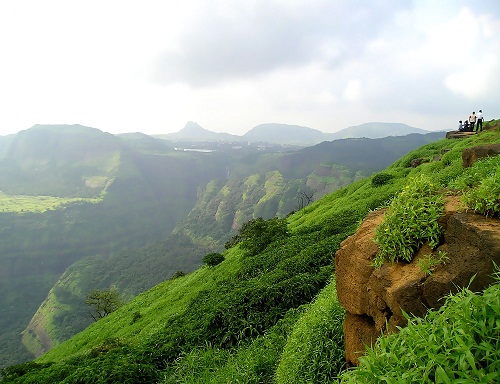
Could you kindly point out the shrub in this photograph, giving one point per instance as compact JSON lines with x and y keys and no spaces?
{"x":429,"y":262}
{"x":381,"y":178}
{"x":213,"y":259}
{"x":410,"y":221}
{"x":136,"y":316}
{"x":485,"y":199}
{"x":177,"y":274}
{"x":255,"y":235}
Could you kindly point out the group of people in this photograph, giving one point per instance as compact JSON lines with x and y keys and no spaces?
{"x":473,"y":124}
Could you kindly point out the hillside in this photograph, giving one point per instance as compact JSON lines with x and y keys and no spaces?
{"x":69,"y":193}
{"x":257,"y":184}
{"x":285,"y":134}
{"x":268,"y":312}
{"x":376,"y":130}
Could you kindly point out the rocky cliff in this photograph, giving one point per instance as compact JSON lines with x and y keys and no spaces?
{"x":375,"y":299}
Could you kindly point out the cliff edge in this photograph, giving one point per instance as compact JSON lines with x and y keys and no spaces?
{"x":375,"y":299}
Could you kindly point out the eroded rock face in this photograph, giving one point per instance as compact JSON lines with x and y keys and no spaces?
{"x":376,"y":298}
{"x":470,"y":155}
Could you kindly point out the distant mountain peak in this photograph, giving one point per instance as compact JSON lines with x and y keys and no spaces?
{"x":193,"y":128}
{"x":284,"y":133}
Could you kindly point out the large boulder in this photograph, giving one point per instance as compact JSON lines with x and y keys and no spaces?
{"x":375,"y":299}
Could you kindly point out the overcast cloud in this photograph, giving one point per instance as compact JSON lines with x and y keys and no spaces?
{"x":151,"y":66}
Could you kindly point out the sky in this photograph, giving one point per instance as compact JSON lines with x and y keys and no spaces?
{"x":151,"y":66}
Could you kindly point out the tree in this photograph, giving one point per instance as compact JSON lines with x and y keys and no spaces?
{"x":257,"y":234}
{"x":103,"y":302}
{"x":213,"y":259}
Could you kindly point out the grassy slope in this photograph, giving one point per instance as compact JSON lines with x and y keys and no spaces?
{"x":243,"y":320}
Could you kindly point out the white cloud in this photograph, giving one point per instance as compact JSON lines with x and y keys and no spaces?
{"x":151,"y":66}
{"x":352,"y":91}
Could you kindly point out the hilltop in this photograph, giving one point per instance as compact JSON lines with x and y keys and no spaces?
{"x":268,"y":312}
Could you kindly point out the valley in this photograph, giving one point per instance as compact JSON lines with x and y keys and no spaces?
{"x":88,"y":210}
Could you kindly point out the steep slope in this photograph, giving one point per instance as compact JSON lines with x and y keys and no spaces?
{"x":80,"y":188}
{"x":59,"y":160}
{"x":222,"y":207}
{"x":284,"y":182}
{"x":233,"y":321}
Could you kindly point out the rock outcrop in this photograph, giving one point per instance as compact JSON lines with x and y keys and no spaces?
{"x":458,"y":134}
{"x":472,"y":154}
{"x":376,"y":298}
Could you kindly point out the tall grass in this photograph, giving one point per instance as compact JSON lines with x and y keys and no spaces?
{"x":412,"y":219}
{"x":314,"y":352}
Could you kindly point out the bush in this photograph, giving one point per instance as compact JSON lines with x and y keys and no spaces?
{"x":485,"y":199}
{"x":381,"y":178}
{"x":213,"y":259}
{"x":255,"y":235}
{"x":410,"y":221}
{"x":177,"y":274}
{"x":136,"y":316}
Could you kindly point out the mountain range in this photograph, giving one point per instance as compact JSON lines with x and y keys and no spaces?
{"x":293,"y":134}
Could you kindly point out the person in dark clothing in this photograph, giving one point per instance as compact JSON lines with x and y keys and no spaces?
{"x":460,"y":126}
{"x":466,"y":126}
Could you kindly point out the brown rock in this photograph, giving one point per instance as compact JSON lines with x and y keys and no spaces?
{"x":472,"y":154}
{"x":353,"y":265}
{"x":359,"y":332}
{"x":458,"y":134}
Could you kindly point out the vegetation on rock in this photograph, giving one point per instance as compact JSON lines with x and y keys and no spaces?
{"x":411,"y":220}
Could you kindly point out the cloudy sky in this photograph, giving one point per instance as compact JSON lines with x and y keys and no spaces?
{"x":151,"y":66}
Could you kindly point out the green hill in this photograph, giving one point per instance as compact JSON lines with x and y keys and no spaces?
{"x":73,"y":192}
{"x":223,"y":205}
{"x":268,"y":312}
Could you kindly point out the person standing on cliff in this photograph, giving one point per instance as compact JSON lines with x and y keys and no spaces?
{"x":472,"y":121}
{"x":480,"y":118}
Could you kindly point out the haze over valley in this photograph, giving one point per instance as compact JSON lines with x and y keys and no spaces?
{"x":78,"y":206}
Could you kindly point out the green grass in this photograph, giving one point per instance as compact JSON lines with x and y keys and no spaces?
{"x":314,"y":352}
{"x":36,"y":204}
{"x":273,"y":317}
{"x":412,"y":220}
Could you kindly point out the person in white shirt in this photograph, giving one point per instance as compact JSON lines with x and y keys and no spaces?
{"x":479,"y":116}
